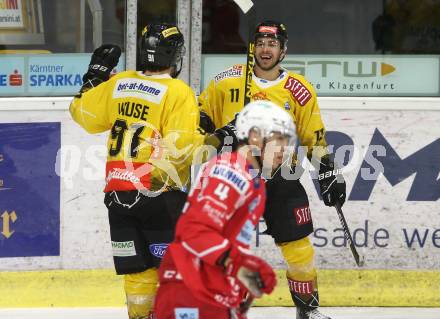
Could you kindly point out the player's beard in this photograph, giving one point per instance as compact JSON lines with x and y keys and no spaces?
{"x":270,"y":67}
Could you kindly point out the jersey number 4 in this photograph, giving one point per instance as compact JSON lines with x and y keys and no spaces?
{"x":118,"y":133}
{"x":222,"y":191}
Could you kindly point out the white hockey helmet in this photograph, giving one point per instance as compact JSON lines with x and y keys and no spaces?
{"x":267,"y":117}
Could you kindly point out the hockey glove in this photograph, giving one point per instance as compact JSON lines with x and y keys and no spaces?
{"x":253,"y":273}
{"x":103,"y":61}
{"x":331,"y":182}
{"x":206,"y":123}
{"x":227,"y":136}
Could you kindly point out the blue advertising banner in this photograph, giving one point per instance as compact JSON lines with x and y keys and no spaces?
{"x":11,"y":75}
{"x":29,"y":189}
{"x":57,"y":75}
{"x":45,"y":74}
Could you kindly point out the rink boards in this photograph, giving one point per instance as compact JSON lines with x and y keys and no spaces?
{"x":102,"y":288}
{"x":391,"y":164}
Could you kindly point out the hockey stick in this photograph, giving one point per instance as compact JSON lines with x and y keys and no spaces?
{"x":248,"y":8}
{"x":251,"y":12}
{"x":250,"y":56}
{"x":249,"y":299}
{"x":360,"y":261}
{"x":246,"y":304}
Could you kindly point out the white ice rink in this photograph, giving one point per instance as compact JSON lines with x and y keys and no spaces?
{"x":255,"y":313}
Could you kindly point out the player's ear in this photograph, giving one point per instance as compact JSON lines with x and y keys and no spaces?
{"x":283,"y":52}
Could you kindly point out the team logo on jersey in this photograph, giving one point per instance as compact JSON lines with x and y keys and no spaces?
{"x":141,"y":89}
{"x":158,"y":250}
{"x":298,"y":90}
{"x":234,"y":72}
{"x":259,"y":96}
{"x":231,"y":177}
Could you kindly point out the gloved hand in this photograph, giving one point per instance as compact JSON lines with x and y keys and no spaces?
{"x":103,"y":60}
{"x":206,"y":123}
{"x":227,"y":135}
{"x":254,"y":274}
{"x":331,"y":182}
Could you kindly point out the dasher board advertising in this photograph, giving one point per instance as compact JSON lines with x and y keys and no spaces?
{"x":351,"y":75}
{"x":29,"y":189}
{"x":45,"y":74}
{"x":391,"y":166}
{"x":11,"y":14}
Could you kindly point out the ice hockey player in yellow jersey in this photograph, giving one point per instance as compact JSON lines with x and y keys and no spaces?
{"x":153,"y":124}
{"x":287,"y":213}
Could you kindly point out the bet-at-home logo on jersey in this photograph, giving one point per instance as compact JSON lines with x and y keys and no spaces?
{"x":141,"y":89}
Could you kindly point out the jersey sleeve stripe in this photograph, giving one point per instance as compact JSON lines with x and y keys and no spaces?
{"x":208,"y":251}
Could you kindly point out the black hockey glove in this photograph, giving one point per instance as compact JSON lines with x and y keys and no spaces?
{"x":331,"y":182}
{"x":228,"y":135}
{"x":206,"y":123}
{"x":103,"y":60}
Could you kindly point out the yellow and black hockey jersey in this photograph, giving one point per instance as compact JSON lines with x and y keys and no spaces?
{"x":224,"y":97}
{"x":153,"y":123}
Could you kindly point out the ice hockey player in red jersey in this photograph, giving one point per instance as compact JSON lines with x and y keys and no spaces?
{"x":208,"y":271}
{"x":287,"y":215}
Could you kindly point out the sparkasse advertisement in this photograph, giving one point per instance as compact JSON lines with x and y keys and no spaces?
{"x":45,"y":74}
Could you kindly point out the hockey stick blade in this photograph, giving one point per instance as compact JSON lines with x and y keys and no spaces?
{"x":360,"y":261}
{"x":245,"y":5}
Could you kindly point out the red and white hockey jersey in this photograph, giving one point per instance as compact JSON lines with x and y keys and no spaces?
{"x":222,"y":210}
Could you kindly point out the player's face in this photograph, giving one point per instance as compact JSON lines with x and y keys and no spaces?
{"x":274,"y":150}
{"x":267,"y":52}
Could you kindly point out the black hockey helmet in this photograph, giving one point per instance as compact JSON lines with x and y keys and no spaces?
{"x":272,"y":29}
{"x":161,"y":46}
